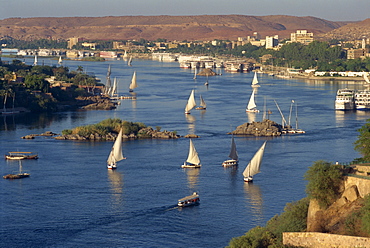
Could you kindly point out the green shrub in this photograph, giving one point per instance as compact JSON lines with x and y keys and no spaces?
{"x":67,"y":132}
{"x":293,"y":219}
{"x":366,"y":214}
{"x":324,"y":181}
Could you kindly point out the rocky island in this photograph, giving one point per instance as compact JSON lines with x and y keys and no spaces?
{"x":147,"y":133}
{"x":108,"y":130}
{"x":264,"y":128}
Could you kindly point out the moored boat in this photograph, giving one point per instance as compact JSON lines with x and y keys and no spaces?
{"x":189,"y":200}
{"x":345,"y":99}
{"x":21,"y":155}
{"x":362,"y":100}
{"x":19,"y":175}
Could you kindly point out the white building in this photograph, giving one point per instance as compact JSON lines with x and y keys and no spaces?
{"x":272,"y":41}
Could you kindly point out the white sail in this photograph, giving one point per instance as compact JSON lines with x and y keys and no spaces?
{"x":114,"y":88}
{"x":202,"y":102}
{"x":133,"y":84}
{"x":35,"y":61}
{"x":116,"y":153}
{"x":251,"y":105}
{"x":195,"y":73}
{"x":233,"y":153}
{"x":193,"y":157}
{"x":254,"y":165}
{"x":129,"y":63}
{"x":191,"y":103}
{"x":255,"y":80}
{"x":60,"y":61}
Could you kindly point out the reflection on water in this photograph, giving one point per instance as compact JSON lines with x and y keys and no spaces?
{"x":40,"y":120}
{"x":251,"y":117}
{"x":191,"y":123}
{"x":116,"y":187}
{"x":202,"y":113}
{"x":254,"y":200}
{"x":342,"y":116}
{"x":134,"y":104}
{"x":192,"y":177}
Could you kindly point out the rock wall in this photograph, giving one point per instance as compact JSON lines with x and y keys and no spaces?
{"x":323,"y":240}
{"x":362,"y":184}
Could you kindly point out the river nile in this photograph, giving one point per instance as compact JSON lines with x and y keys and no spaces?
{"x":72,"y":200}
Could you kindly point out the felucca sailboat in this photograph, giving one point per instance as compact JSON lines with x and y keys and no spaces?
{"x":254,"y":165}
{"x":193,"y":160}
{"x":255,"y":81}
{"x":133,"y":84}
{"x":191,"y":103}
{"x":116,"y":153}
{"x":233,"y":155}
{"x":252,"y":107}
{"x":203,"y":104}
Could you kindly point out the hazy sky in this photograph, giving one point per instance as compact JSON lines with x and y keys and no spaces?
{"x":332,"y":10}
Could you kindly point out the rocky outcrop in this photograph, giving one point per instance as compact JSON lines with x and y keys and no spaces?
{"x":207,"y":72}
{"x":96,"y":102}
{"x":191,"y":136}
{"x":332,"y":219}
{"x":264,"y":128}
{"x":32,"y":136}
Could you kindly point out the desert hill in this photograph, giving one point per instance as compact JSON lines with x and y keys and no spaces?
{"x":202,"y":27}
{"x":351,"y":31}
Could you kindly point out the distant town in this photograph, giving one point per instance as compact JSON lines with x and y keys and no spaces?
{"x":234,"y":56}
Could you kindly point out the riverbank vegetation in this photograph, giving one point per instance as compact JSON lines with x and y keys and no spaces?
{"x":26,"y":86}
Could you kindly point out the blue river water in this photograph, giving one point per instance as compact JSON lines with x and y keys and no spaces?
{"x":72,"y":200}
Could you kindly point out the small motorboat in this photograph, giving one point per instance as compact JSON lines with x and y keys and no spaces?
{"x":189,"y":200}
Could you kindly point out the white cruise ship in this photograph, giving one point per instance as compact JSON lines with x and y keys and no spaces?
{"x":362,"y":100}
{"x":345,"y":99}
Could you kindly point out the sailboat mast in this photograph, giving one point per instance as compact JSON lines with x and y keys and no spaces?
{"x":296,"y":116}
{"x":282,"y":116}
{"x":290,"y":113}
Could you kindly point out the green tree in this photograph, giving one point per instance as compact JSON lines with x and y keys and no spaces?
{"x":324,"y":181}
{"x":36,"y":82}
{"x":362,"y":144}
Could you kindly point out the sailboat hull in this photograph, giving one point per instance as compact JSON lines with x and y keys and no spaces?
{"x":111,"y":167}
{"x":16,"y":176}
{"x":187,"y":165}
{"x":248,"y":179}
{"x":252,"y":110}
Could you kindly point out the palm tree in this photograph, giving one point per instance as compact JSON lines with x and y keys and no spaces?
{"x":80,"y":69}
